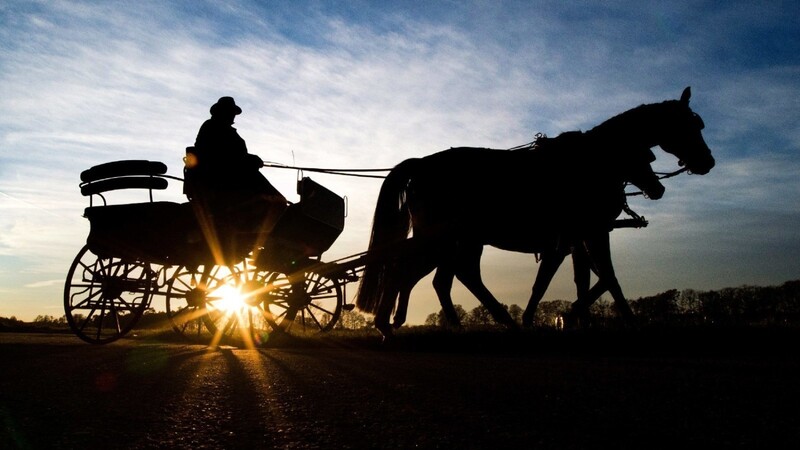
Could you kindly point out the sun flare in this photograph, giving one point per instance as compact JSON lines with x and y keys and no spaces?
{"x":230,"y":299}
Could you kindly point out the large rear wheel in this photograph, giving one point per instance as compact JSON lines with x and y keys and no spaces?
{"x":104,"y":297}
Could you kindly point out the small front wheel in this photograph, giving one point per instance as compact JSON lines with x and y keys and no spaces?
{"x":304,"y":305}
{"x":104,"y":297}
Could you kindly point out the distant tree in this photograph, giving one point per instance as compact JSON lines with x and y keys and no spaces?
{"x":603,"y":312}
{"x":432,"y":319}
{"x":438,"y":319}
{"x":479,"y":316}
{"x":689,"y":302}
{"x":758,"y":303}
{"x":788,"y":302}
{"x":661,"y":308}
{"x":547,"y":313}
{"x":516,"y":312}
{"x":712,"y":307}
{"x":351,"y":320}
{"x":153,"y":320}
{"x":43,"y":319}
{"x":49,"y":321}
{"x":10,"y":322}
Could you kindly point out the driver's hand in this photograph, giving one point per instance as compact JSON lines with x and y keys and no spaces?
{"x":256,"y":160}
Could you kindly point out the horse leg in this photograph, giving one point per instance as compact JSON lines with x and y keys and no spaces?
{"x":406,"y":273}
{"x":468,"y":271}
{"x":548,"y":268}
{"x":412,"y":275}
{"x":599,"y":252}
{"x":579,"y":312}
{"x":581,"y":271}
{"x":443,"y":284}
{"x":382,"y":319}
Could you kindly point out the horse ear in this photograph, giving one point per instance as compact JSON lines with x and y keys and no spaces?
{"x":686,"y":94}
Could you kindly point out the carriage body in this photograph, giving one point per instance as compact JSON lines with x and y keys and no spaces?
{"x":135,"y":251}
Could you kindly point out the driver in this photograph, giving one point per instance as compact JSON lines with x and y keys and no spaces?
{"x":224,"y":180}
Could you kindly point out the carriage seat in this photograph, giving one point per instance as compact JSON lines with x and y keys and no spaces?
{"x":159,"y":232}
{"x":156,"y":231}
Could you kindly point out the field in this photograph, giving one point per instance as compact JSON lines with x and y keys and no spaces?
{"x":719,"y":388}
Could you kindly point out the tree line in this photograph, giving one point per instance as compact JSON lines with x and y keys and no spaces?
{"x":736,"y":306}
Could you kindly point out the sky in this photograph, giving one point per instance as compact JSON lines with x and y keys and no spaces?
{"x":359,"y":84}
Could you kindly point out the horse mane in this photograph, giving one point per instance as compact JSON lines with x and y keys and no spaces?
{"x":639,"y":123}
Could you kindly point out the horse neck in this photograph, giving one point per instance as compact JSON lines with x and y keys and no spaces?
{"x":640,"y":127}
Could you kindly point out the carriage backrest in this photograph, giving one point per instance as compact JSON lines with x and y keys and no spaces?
{"x":125,"y":174}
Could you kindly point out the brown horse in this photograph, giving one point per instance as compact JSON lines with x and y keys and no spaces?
{"x":562,"y":193}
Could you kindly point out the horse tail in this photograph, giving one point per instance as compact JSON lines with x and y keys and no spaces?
{"x":390,"y":228}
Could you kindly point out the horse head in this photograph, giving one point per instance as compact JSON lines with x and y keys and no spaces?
{"x":682,"y":136}
{"x":638,"y":171}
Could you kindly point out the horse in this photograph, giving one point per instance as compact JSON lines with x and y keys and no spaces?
{"x":561,"y":194}
{"x":638,"y":172}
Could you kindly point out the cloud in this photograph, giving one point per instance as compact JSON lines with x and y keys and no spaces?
{"x":45,"y":283}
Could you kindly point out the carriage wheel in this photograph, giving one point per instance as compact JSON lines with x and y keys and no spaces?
{"x":187,"y":292}
{"x":104,"y":297}
{"x":301,"y":306}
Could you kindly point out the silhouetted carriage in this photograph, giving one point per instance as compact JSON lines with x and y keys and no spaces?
{"x":231,"y":282}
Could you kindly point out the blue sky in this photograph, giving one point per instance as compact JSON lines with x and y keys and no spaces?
{"x":369,"y":84}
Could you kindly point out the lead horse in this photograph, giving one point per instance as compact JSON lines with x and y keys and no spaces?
{"x":561,"y":194}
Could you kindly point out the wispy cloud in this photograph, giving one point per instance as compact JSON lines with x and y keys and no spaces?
{"x":45,"y":283}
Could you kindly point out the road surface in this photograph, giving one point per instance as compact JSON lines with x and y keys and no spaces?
{"x":59,"y":392}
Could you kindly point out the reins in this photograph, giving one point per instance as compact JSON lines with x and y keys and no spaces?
{"x":637,"y":221}
{"x":346,"y":172}
{"x":660,"y":176}
{"x":366,"y":173}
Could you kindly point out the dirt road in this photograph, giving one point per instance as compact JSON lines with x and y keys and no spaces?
{"x":58,"y":392}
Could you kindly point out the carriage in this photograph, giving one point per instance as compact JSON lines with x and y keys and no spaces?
{"x":223,"y":284}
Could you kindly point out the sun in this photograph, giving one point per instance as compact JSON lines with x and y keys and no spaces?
{"x":229,"y":300}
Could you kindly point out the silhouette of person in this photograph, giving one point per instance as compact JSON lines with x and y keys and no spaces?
{"x":225,"y":180}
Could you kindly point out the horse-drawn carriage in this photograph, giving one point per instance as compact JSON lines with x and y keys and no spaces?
{"x":231,"y":282}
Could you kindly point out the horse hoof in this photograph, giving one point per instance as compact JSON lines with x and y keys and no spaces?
{"x":568,"y":322}
{"x":388,"y":342}
{"x":575,"y":320}
{"x":513,"y":326}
